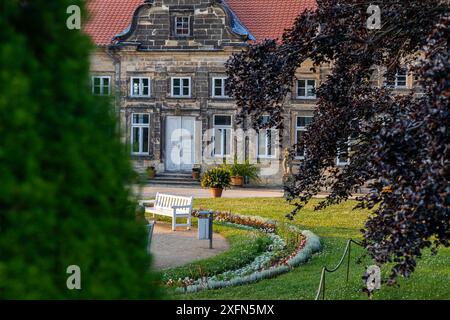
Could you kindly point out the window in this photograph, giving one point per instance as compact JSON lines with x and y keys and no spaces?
{"x":101,"y":86}
{"x":182,"y":26}
{"x":218,"y":88}
{"x":343,"y":157}
{"x":222,"y":136}
{"x":140,"y":133}
{"x":400,"y":80}
{"x":140,"y":87}
{"x":301,"y":128}
{"x":181,"y":87}
{"x":266,"y":141}
{"x":306,"y":89}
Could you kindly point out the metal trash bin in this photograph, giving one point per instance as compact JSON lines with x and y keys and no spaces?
{"x":205,"y":226}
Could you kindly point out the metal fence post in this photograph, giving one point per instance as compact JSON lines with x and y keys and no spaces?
{"x":211,"y":218}
{"x":348,"y":260}
{"x":323,"y":287}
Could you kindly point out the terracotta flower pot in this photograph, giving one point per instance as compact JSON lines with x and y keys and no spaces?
{"x":237,"y":181}
{"x":216,"y":192}
{"x":195,"y":175}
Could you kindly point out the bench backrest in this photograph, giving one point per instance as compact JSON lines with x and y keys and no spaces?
{"x":166,"y":201}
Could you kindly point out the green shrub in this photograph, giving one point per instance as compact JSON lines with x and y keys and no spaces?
{"x":245,"y":169}
{"x":64,"y":173}
{"x":251,"y":171}
{"x":216,"y":178}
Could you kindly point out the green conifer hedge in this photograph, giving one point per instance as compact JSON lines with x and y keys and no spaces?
{"x":64,"y":175}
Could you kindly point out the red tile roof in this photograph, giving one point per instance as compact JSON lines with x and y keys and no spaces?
{"x":266,"y":19}
{"x":109,"y":18}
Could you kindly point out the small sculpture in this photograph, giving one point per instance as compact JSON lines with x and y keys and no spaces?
{"x":287,"y":163}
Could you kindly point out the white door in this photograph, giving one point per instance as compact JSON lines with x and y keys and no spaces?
{"x":180,"y":152}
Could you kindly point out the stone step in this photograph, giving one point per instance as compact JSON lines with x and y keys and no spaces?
{"x":175,"y":179}
{"x":159,"y":178}
{"x":175,"y":174}
{"x":172,"y":177}
{"x":177,"y":183}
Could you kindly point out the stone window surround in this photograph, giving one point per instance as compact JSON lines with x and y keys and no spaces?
{"x":171,"y":87}
{"x":300,"y":129}
{"x":395,"y":82}
{"x":230,"y":127}
{"x":150,"y":91}
{"x":274,"y":148}
{"x":102,"y":78}
{"x":213,"y":87}
{"x":181,"y":12}
{"x":343,"y":163}
{"x":306,"y":97}
{"x":141,"y":126}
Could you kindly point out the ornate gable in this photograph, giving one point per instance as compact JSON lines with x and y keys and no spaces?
{"x":184,"y":25}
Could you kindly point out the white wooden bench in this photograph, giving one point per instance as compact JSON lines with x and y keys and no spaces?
{"x":171,"y":206}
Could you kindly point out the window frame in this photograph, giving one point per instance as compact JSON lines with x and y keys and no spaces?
{"x":223,"y":91}
{"x":141,"y":126}
{"x":297,"y":130}
{"x":175,"y":28}
{"x":226,"y":127}
{"x":141,"y":87}
{"x":395,"y":84}
{"x":274,"y":147}
{"x":181,"y":87}
{"x":306,"y":97}
{"x":344,"y":163}
{"x":102,"y":78}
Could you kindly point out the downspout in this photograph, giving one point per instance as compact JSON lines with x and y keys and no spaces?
{"x":118,"y":80}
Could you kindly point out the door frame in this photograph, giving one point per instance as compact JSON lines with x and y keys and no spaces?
{"x":168,"y":141}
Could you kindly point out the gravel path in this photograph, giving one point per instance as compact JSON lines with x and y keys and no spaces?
{"x":150,"y":192}
{"x":173,"y":249}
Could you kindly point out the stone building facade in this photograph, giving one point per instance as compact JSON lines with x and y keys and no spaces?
{"x":167,"y":72}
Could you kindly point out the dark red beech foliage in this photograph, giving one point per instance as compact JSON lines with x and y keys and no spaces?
{"x":399,"y":143}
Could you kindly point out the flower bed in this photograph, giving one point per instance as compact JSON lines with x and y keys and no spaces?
{"x":280,"y":257}
{"x":261,"y":224}
{"x":260,"y":263}
{"x":245,"y":247}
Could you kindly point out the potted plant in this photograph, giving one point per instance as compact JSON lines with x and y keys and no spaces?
{"x":239,"y":171}
{"x":217,"y":180}
{"x":196,"y":173}
{"x":151,"y":172}
{"x":251,"y":171}
{"x":237,"y":176}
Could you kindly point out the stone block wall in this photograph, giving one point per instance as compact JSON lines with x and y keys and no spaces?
{"x":201,"y":66}
{"x":209,"y":26}
{"x":151,"y":50}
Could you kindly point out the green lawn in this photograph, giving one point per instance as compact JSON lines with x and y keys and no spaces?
{"x":335,"y":226}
